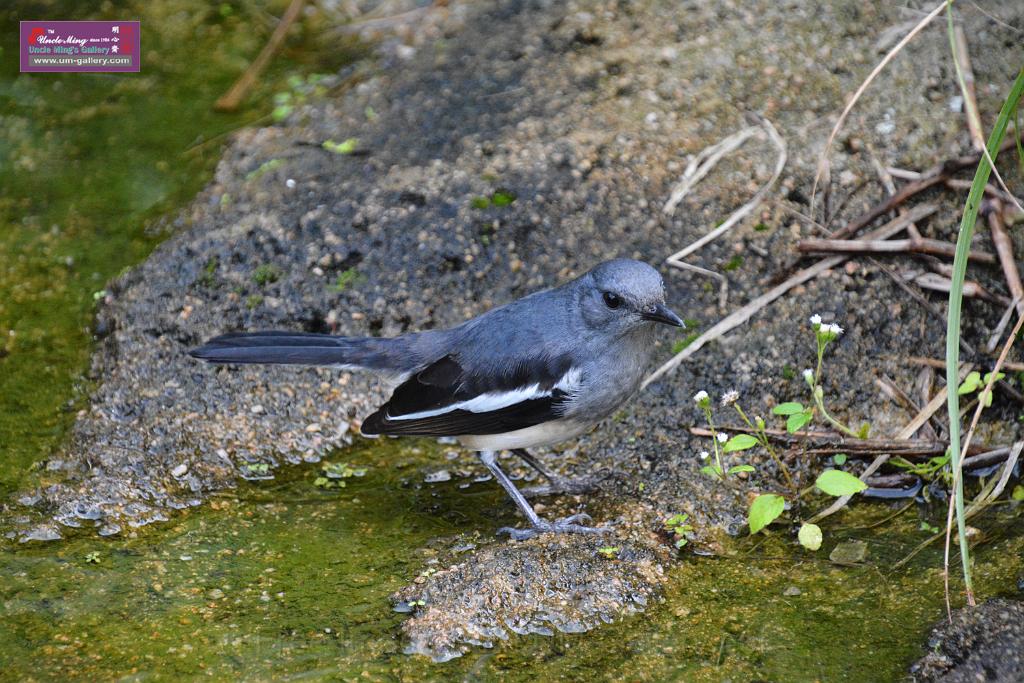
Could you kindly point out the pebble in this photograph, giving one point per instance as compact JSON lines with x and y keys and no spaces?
{"x":179,"y":471}
{"x":439,"y":476}
{"x":791,"y":592}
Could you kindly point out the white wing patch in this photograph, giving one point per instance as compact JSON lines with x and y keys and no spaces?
{"x":496,"y":400}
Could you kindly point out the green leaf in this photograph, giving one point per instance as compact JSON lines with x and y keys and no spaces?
{"x":764,"y":510}
{"x":839,"y":458}
{"x":345,"y":147}
{"x":864,"y":430}
{"x":839,"y":483}
{"x":712,"y":471}
{"x":971,"y":383}
{"x":739,"y":442}
{"x":736,"y":469}
{"x":810,"y":536}
{"x":797,"y":421}
{"x":1018,"y":492}
{"x":788,"y":408}
{"x":503,"y":197}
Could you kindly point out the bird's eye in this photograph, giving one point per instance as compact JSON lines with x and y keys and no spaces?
{"x":612,"y":300}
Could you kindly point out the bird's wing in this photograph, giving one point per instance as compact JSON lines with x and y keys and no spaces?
{"x":444,"y":399}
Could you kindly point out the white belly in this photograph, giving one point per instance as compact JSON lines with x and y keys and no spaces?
{"x":545,"y":434}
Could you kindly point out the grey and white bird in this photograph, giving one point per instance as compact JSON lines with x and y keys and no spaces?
{"x":538,"y":371}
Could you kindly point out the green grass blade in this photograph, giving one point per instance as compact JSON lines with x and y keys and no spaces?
{"x":963,"y":246}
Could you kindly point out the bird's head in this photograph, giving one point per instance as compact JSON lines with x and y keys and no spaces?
{"x":623,"y":295}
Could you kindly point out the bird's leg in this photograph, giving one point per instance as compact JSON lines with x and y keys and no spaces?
{"x":537,"y":525}
{"x":556,"y":482}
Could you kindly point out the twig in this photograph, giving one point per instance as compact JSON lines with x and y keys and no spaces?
{"x":976,"y":506}
{"x":941,"y":364}
{"x":918,"y":245}
{"x":933,"y":176}
{"x":997,"y":333}
{"x":697,"y":169}
{"x":233,"y":98}
{"x":860,"y":91}
{"x":384,"y":23}
{"x":970,"y":98}
{"x":941,"y":283}
{"x":962,"y":64}
{"x":829,"y":443}
{"x":744,"y":314}
{"x":1004,"y":247}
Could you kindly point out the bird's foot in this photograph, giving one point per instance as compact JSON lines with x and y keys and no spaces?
{"x":566,"y":525}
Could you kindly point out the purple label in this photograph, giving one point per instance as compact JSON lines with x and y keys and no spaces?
{"x":80,"y":46}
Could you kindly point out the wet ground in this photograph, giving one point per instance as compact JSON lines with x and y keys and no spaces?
{"x":283,"y":580}
{"x":581,"y":119}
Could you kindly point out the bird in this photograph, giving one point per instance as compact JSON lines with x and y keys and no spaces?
{"x":535,"y":372}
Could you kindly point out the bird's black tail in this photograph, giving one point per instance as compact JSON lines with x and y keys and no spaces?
{"x":299,"y":348}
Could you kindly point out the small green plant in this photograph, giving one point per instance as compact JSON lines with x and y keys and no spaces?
{"x":265,"y":274}
{"x":253,"y":301}
{"x":346,"y":146}
{"x":679,"y":527}
{"x":346,"y":279}
{"x":299,"y":91}
{"x":935,"y":467}
{"x":334,"y":474}
{"x":256,"y":469}
{"x":734,"y":263}
{"x":208,"y":278}
{"x":264,"y":168}
{"x":975,"y":381}
{"x":609,"y":551}
{"x":499,"y":198}
{"x":810,"y":536}
{"x":768,"y":506}
{"x":93,"y":557}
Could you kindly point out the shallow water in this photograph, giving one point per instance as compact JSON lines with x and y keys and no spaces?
{"x":282,"y":579}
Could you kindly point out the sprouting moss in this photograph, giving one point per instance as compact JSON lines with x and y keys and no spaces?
{"x":734,"y":263}
{"x":208,"y":278}
{"x":266,"y":274}
{"x":264,"y":168}
{"x":253,"y":301}
{"x":344,"y":147}
{"x":346,"y":279}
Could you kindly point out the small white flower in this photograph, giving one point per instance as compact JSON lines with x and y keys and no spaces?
{"x":808,"y":375}
{"x":730,"y":397}
{"x":722,"y":438}
{"x":700,"y":397}
{"x":835,"y":329}
{"x":815,"y":319}
{"x":703,"y":455}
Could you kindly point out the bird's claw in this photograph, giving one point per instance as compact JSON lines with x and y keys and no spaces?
{"x":566,"y":525}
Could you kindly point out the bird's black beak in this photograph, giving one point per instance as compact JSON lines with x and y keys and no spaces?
{"x":660,"y":313}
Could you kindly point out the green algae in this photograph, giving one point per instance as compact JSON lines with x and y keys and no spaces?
{"x":282,"y":579}
{"x":88,"y":165}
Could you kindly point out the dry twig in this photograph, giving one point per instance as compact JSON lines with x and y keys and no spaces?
{"x":744,"y":314}
{"x":234,"y":97}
